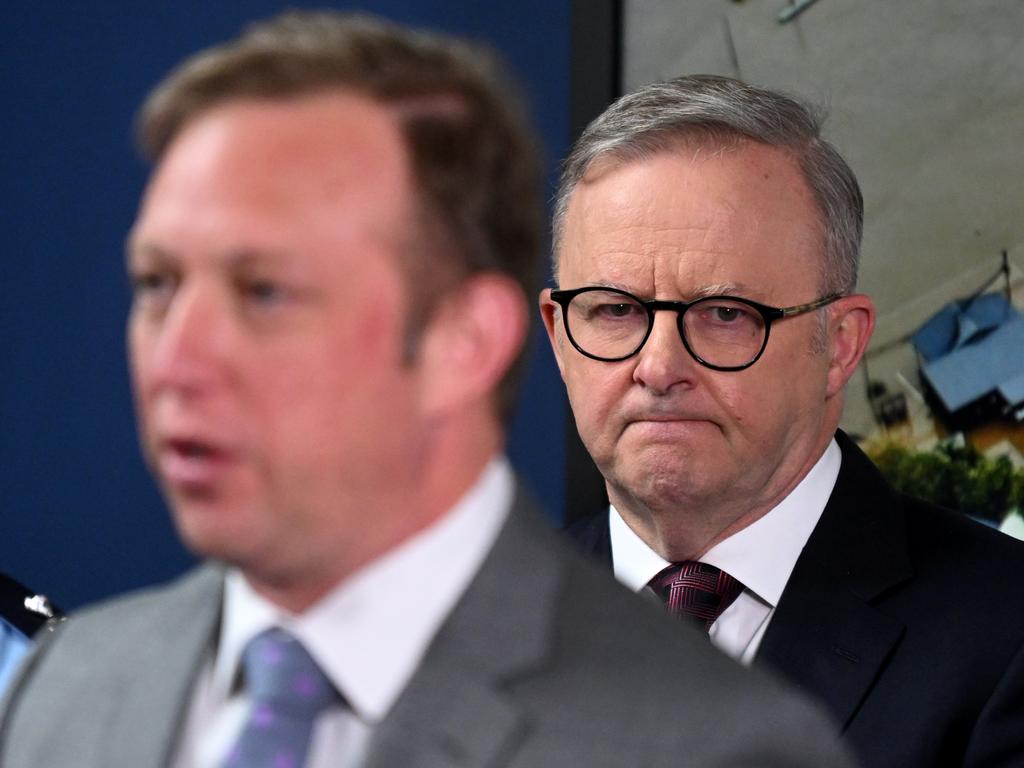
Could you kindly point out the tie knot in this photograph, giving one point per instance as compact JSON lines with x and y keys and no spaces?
{"x":280,"y":673}
{"x":697,"y":590}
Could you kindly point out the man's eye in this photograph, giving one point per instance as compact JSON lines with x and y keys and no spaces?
{"x":151,"y":284}
{"x":263,"y":291}
{"x":615,"y":310}
{"x":727,"y":314}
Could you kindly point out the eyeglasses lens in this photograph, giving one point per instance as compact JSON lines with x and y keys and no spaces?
{"x":611,"y":325}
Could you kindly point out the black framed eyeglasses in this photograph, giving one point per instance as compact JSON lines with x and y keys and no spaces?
{"x":725,"y":333}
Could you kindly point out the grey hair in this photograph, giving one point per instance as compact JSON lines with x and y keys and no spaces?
{"x":721,"y":110}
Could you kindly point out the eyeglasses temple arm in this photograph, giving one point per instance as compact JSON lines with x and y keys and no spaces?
{"x":800,"y":309}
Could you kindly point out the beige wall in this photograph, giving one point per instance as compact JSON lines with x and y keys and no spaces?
{"x":926,"y":102}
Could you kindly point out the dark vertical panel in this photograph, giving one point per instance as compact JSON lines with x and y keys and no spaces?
{"x":595,"y":74}
{"x":595,"y":82}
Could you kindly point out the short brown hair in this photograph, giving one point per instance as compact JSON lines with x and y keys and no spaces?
{"x":474,"y":160}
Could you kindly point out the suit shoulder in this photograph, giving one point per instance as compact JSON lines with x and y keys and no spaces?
{"x":120,"y":658}
{"x":868,"y":525}
{"x":162,"y":603}
{"x":939,"y":533}
{"x":941,"y":540}
{"x":118,"y":632}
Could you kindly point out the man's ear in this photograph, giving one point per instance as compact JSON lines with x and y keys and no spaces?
{"x":850,"y":328}
{"x":551,"y":314}
{"x":471,"y":340}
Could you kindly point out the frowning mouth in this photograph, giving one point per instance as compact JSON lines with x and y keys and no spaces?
{"x":662,"y":427}
{"x":660,"y":419}
{"x":666,"y":418}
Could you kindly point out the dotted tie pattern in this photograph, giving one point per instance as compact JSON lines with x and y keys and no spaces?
{"x":288,"y":691}
{"x":696,"y":590}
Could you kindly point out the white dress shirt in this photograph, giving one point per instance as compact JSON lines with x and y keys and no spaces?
{"x":368,"y":635}
{"x":761,"y":557}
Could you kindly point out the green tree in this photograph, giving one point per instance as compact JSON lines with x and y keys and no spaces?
{"x":957,"y":477}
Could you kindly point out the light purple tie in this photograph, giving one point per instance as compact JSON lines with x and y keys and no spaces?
{"x":288,"y":690}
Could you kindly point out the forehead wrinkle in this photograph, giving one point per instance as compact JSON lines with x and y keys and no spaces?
{"x":656,"y":273}
{"x":651,"y":245}
{"x":627,"y":270}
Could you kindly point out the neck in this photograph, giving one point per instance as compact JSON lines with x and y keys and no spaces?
{"x":445,"y":467}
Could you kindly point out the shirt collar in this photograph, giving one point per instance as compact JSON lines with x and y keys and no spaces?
{"x":761,"y":556}
{"x":369,"y":633}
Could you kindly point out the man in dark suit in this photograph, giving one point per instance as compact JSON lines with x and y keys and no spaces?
{"x":706,"y":322}
{"x":330,"y":266}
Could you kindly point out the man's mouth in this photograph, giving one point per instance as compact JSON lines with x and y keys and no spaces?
{"x":666,"y":427}
{"x":191,"y":463}
{"x":191,"y":448}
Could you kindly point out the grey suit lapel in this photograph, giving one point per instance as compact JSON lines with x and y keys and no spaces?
{"x":826,"y":635}
{"x":455,"y":711}
{"x":144,"y":729}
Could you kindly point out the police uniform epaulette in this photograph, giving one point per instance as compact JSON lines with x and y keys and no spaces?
{"x":27,"y":611}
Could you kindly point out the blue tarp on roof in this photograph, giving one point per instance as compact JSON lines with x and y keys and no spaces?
{"x":1013,"y":390}
{"x":961,"y":322}
{"x":984,"y":351}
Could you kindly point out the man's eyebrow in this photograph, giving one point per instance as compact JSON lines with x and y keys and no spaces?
{"x":719,"y":289}
{"x":134,"y":249}
{"x":235,"y":258}
{"x":712,"y":289}
{"x":249,"y":257}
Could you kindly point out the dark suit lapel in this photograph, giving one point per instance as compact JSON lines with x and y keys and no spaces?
{"x":145,"y":725}
{"x":825,"y":635}
{"x":455,"y":711}
{"x":592,"y":536}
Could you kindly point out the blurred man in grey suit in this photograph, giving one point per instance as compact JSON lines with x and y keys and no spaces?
{"x":331,"y":264}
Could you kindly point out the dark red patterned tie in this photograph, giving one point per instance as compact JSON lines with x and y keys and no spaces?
{"x":697,"y":590}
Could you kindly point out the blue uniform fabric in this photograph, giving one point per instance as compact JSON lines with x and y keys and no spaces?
{"x":13,"y":647}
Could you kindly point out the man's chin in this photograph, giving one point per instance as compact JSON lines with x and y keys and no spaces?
{"x":211,"y":531}
{"x":667,"y":479}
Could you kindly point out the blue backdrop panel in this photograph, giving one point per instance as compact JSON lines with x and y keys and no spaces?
{"x":81,"y":518}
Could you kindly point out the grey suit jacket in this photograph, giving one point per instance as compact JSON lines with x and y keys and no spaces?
{"x":545,"y":661}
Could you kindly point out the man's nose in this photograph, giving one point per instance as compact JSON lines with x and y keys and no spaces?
{"x":191,"y":342}
{"x":664,"y":361}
